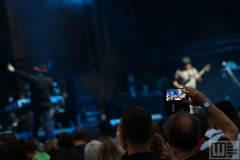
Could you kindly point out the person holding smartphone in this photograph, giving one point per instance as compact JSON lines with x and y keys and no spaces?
{"x":183,"y":132}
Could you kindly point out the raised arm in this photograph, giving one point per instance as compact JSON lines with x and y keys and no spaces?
{"x":24,"y":76}
{"x":118,"y":141}
{"x":225,"y":124}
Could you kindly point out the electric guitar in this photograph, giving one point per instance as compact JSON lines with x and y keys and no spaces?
{"x":193,"y":80}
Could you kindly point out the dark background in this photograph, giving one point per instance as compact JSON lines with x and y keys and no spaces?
{"x":100,"y":40}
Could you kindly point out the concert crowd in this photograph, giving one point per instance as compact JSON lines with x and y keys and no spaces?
{"x":183,"y":136}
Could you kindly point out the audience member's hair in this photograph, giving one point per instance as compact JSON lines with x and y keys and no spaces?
{"x":229,"y":110}
{"x":91,"y":150}
{"x":22,"y":141}
{"x":137,"y":123}
{"x":162,"y":132}
{"x":108,"y":151}
{"x":203,"y":123}
{"x":104,"y":138}
{"x":181,"y":135}
{"x":106,"y":128}
{"x":12,"y":150}
{"x":61,"y":155}
{"x":5,"y":137}
{"x":80,"y":134}
{"x":65,"y":141}
{"x":156,"y":126}
{"x":164,"y":136}
{"x":50,"y":146}
{"x":31,"y":147}
{"x":91,"y":137}
{"x":157,"y":145}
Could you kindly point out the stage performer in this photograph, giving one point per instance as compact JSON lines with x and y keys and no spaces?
{"x":41,"y":88}
{"x":186,"y":76}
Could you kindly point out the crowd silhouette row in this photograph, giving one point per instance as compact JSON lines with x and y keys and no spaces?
{"x":183,"y":136}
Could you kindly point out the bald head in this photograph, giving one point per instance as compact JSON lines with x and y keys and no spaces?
{"x":183,"y":131}
{"x":184,"y":123}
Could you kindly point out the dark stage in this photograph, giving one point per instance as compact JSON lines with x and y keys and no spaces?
{"x":103,"y":56}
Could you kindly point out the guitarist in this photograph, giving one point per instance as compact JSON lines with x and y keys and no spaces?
{"x":184,"y":75}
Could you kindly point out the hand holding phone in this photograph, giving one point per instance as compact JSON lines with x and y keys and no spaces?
{"x":174,"y":101}
{"x":197,"y":98}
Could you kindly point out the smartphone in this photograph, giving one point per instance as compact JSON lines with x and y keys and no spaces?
{"x":176,"y":95}
{"x":173,"y":101}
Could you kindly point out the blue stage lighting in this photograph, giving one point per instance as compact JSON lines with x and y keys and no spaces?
{"x":80,"y":2}
{"x":55,"y":84}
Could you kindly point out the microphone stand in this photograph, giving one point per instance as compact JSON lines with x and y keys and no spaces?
{"x":231,"y":74}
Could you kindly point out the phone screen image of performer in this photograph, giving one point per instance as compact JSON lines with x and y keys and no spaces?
{"x":175,"y":95}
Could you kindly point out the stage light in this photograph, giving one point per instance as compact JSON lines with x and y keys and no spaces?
{"x":10,"y":99}
{"x":15,"y":124}
{"x":54,"y":84}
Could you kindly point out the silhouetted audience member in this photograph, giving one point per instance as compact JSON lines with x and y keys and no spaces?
{"x":211,"y":129}
{"x":91,"y":137}
{"x":65,"y":141}
{"x":118,"y":141}
{"x":103,"y":138}
{"x":108,"y":151}
{"x":91,"y":150}
{"x":137,"y":130}
{"x":184,"y":133}
{"x":50,"y":146}
{"x":12,"y":150}
{"x":105,"y":128}
{"x":80,"y":139}
{"x":203,"y":126}
{"x":34,"y":153}
{"x":22,"y":141}
{"x":5,"y":137}
{"x":61,"y":155}
{"x":162,"y":132}
{"x":157,"y":145}
{"x":156,"y":126}
{"x":229,"y":110}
